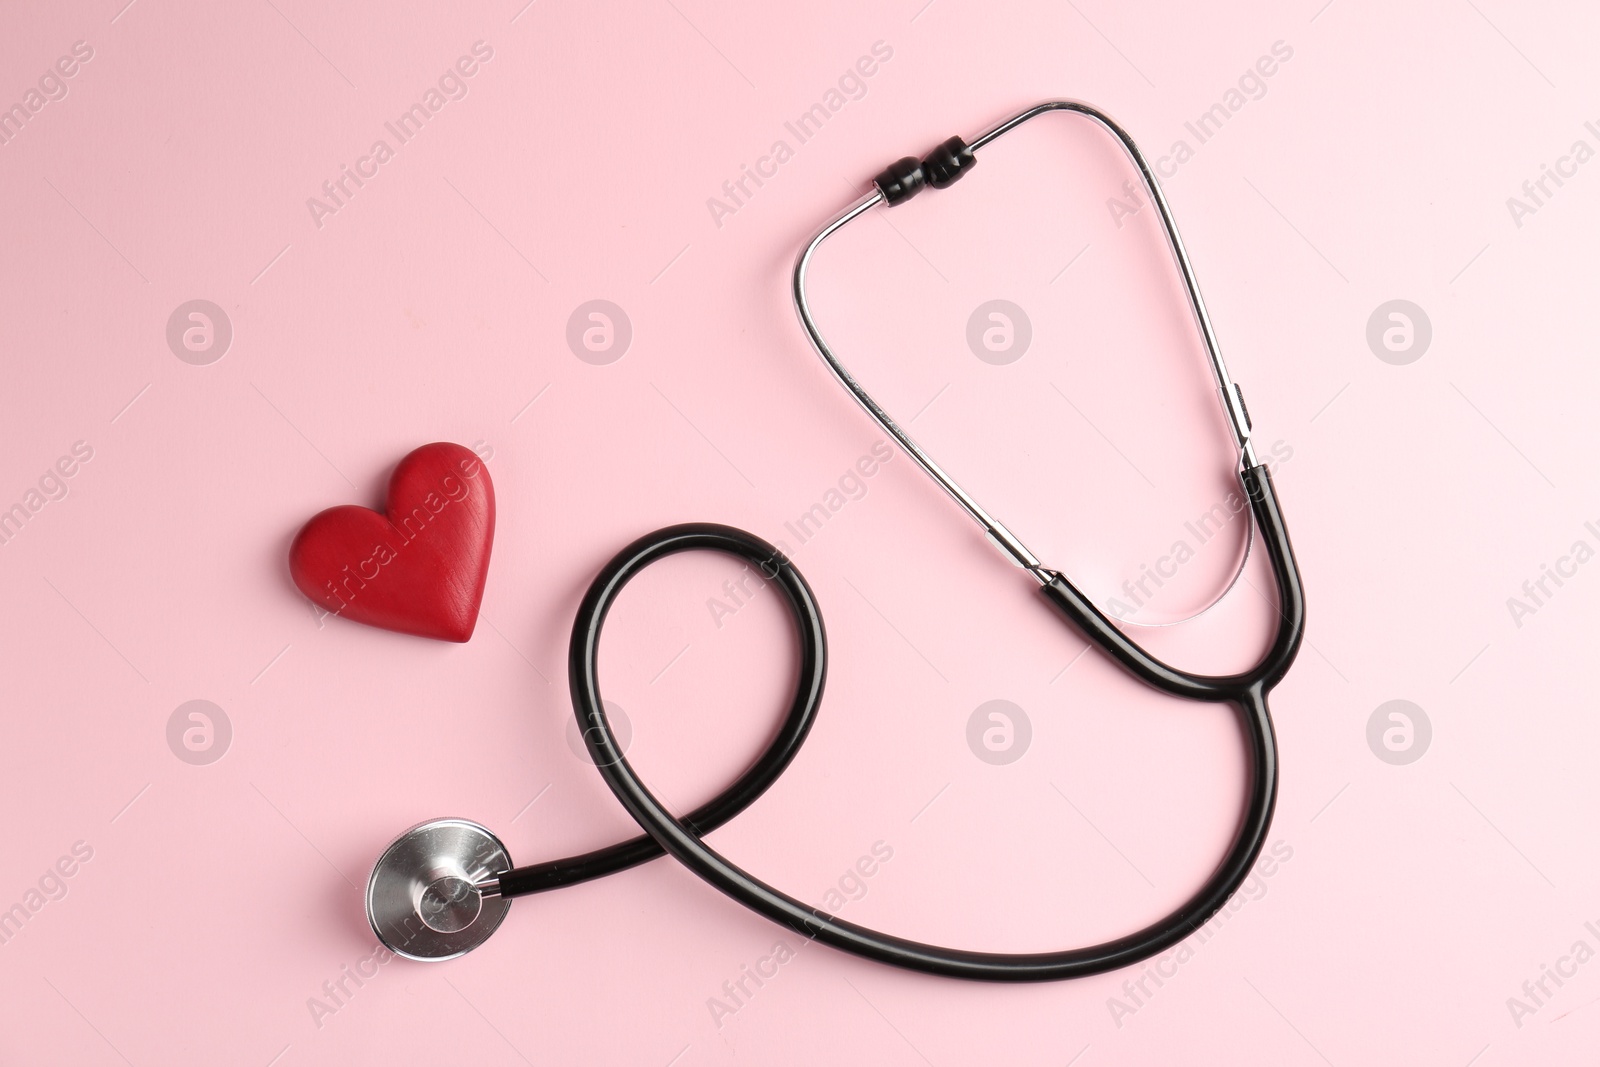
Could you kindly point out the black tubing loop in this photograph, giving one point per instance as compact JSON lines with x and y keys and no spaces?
{"x":682,"y":839}
{"x":773,"y":568}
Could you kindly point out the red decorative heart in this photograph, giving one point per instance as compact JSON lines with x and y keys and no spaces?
{"x":420,"y":567}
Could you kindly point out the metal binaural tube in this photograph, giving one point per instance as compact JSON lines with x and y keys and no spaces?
{"x":1227,"y":391}
{"x":1002,"y":537}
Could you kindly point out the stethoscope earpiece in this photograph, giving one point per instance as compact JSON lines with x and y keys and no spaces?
{"x":433,"y":894}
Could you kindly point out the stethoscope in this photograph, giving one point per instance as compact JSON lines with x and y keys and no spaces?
{"x":444,"y":886}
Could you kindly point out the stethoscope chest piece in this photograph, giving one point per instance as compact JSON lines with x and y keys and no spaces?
{"x":430,"y":896}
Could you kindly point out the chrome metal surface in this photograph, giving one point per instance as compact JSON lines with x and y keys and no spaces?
{"x":428,"y":897}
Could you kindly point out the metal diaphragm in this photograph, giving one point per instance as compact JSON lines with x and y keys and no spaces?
{"x":423,"y":899}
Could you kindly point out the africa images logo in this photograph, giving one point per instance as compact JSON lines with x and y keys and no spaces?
{"x":52,"y":85}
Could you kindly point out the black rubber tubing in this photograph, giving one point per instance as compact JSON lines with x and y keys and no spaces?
{"x":774,"y":759}
{"x":681,"y":838}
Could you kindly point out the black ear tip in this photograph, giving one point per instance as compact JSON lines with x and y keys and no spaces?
{"x":905,"y":178}
{"x":901,"y":180}
{"x":948,"y":163}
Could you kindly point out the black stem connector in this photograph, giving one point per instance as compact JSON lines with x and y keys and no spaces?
{"x":904,"y":178}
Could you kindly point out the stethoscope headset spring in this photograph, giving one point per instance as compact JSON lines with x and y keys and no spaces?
{"x":444,"y":886}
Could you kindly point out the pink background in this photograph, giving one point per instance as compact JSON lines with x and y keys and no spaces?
{"x":1414,"y":900}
